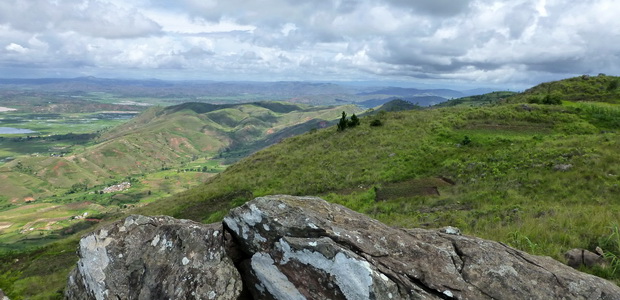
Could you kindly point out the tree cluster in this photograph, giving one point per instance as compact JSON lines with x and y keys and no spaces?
{"x":345,"y":123}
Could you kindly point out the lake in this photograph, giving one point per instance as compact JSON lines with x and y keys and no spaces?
{"x":11,"y":130}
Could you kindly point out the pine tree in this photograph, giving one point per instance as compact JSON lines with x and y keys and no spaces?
{"x":342,"y":124}
{"x":354,"y":121}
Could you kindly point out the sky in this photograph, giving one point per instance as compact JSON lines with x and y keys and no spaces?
{"x":464,"y":43}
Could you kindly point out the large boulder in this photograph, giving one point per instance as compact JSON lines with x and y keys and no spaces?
{"x":306,"y":248}
{"x":154,"y":258}
{"x":285,"y":247}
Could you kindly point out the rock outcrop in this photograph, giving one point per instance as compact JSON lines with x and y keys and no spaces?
{"x":3,"y":296}
{"x":287,"y":247}
{"x":154,"y":258}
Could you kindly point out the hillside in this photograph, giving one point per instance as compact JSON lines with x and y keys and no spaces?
{"x":601,"y":88}
{"x":478,"y":100}
{"x":541,"y":178}
{"x":528,"y":175}
{"x":162,"y":138}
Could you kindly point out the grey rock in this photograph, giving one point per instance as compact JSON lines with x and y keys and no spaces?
{"x":581,"y":257}
{"x":562,"y":167}
{"x":306,"y":248}
{"x":154,"y":258}
{"x":285,"y":247}
{"x":3,"y":296}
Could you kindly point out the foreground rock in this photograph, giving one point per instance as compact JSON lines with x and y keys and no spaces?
{"x":305,"y":248}
{"x":3,"y":296}
{"x":154,"y":258}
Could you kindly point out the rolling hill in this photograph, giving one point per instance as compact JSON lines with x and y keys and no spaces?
{"x":163,"y":138}
{"x":543,"y":178}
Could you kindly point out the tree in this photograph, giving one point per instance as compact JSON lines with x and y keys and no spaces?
{"x":342,"y":124}
{"x":354,"y":121}
{"x":612,"y":85}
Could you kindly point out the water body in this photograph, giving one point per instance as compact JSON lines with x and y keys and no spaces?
{"x":11,"y":130}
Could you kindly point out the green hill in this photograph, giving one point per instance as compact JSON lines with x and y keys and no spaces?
{"x":163,"y":138}
{"x":601,"y":88}
{"x":478,"y":100}
{"x":542,"y":178}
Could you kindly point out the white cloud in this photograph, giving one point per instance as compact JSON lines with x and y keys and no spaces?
{"x":16,"y":48}
{"x":512,"y":42}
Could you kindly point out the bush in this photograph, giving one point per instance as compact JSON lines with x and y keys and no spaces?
{"x":354,"y":121}
{"x":344,"y":123}
{"x":376,"y":122}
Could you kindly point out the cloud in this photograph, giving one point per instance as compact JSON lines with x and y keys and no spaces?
{"x":435,"y":7}
{"x":16,"y":48}
{"x":90,"y":18}
{"x":512,"y":42}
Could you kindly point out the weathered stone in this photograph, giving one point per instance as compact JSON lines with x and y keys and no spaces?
{"x":306,"y":248}
{"x":289,"y":247}
{"x":562,"y":167}
{"x":154,"y":258}
{"x":3,"y":296}
{"x":581,"y":257}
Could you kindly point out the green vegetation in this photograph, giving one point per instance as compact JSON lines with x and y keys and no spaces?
{"x":478,"y":100}
{"x":398,"y":105}
{"x":601,"y":88}
{"x":161,"y":152}
{"x":530,"y":175}
{"x":345,"y":123}
{"x":542,"y":178}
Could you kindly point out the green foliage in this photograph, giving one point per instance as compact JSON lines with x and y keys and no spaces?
{"x":611,"y":249}
{"x":478,"y":100}
{"x":600,"y":88}
{"x":612,"y":85}
{"x":354,"y":121}
{"x":376,"y":122}
{"x":343,"y":123}
{"x":549,"y":99}
{"x":532,"y":175}
{"x":506,"y":185}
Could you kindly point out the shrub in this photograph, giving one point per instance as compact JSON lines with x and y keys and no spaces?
{"x":376,"y":122}
{"x":354,"y":121}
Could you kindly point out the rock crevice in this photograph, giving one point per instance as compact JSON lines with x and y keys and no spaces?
{"x":285,"y":247}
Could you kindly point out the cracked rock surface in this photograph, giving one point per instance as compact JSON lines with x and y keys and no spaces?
{"x":285,"y":247}
{"x":307,"y":248}
{"x":154,"y":258}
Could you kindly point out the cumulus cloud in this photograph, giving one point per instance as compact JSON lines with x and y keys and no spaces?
{"x":477,"y":41}
{"x":90,"y":18}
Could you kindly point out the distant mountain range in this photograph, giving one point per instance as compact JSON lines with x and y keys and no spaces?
{"x":314,"y":93}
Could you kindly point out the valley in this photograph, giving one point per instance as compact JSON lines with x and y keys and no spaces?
{"x":536,"y":170}
{"x":69,"y":162}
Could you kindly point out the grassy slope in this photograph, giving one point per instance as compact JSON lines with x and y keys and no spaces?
{"x":478,"y":100}
{"x":159,"y":138}
{"x":508,"y":183}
